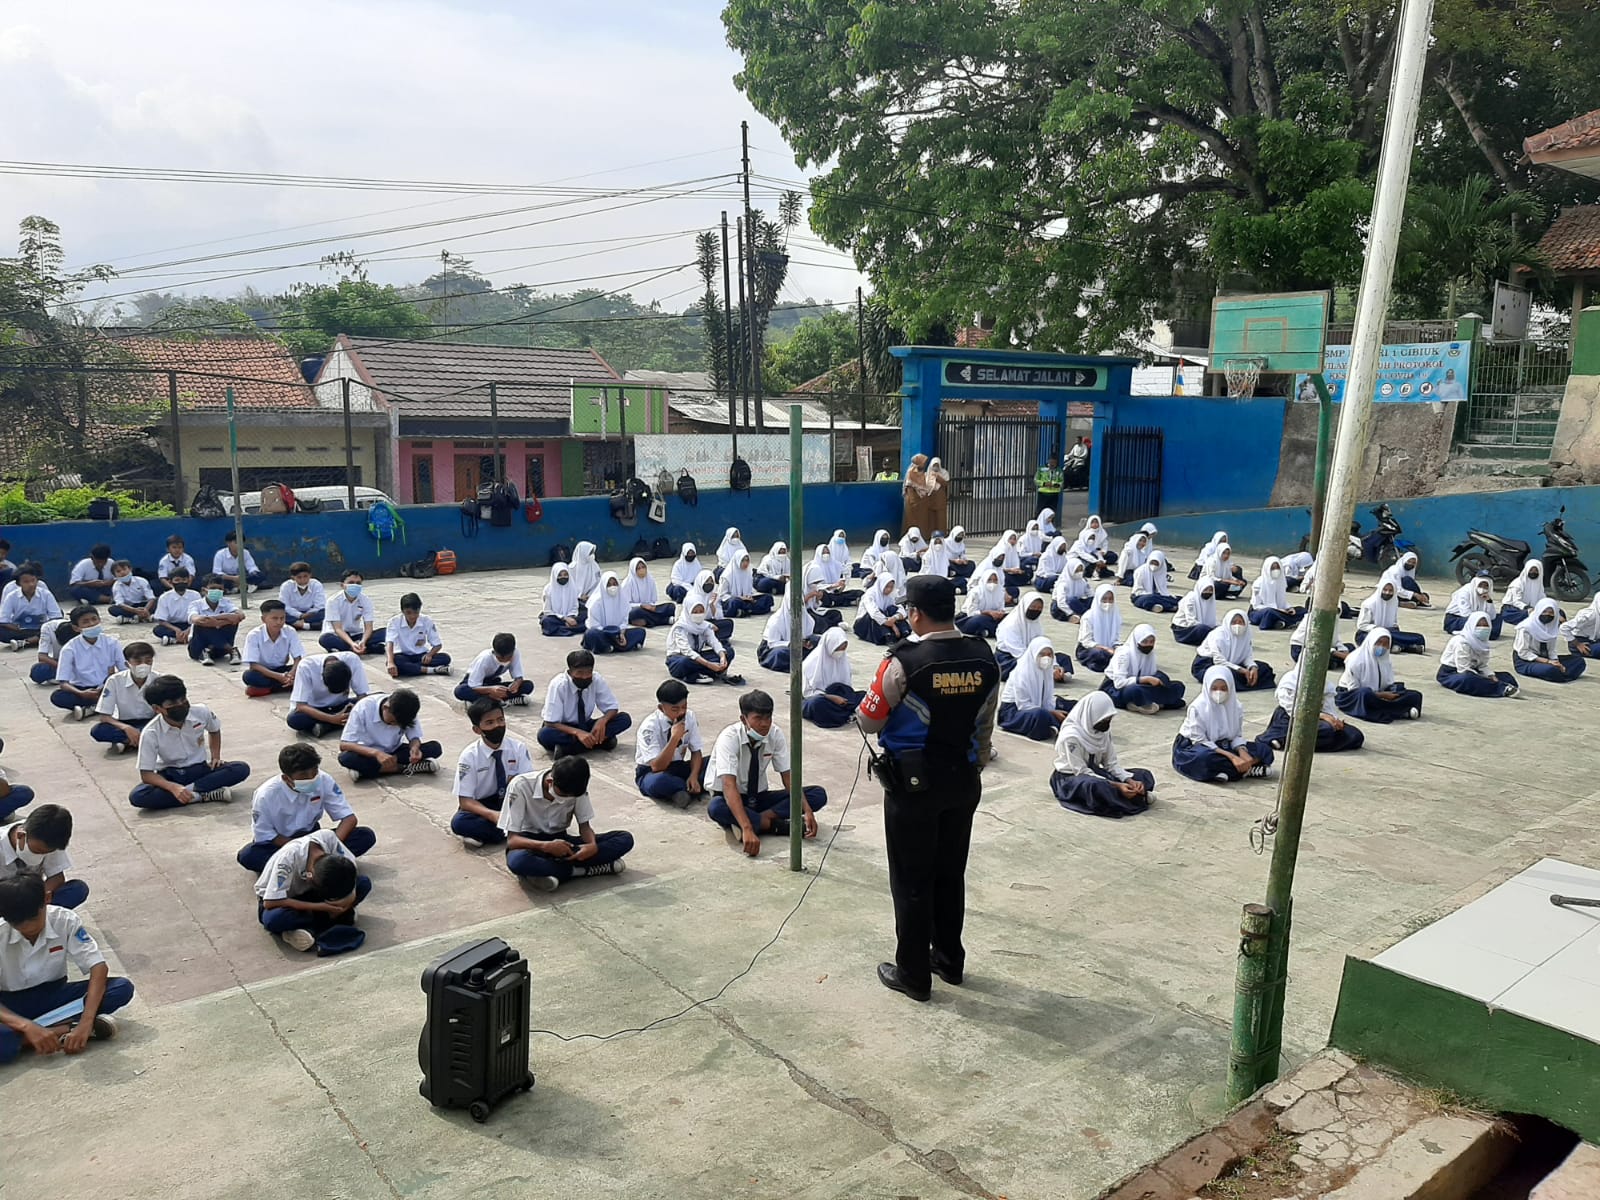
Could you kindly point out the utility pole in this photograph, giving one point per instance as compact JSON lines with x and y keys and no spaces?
{"x":745,"y":321}
{"x":1258,"y":1020}
{"x":755,"y":299}
{"x":727,"y":339}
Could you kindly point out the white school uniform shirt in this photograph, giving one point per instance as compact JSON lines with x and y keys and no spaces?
{"x":489,"y":671}
{"x":1080,"y":748}
{"x":50,"y":637}
{"x":299,"y":603}
{"x":730,"y":755}
{"x":225,"y":562}
{"x":284,"y":876}
{"x":309,"y":688}
{"x":25,"y":964}
{"x":199,"y":606}
{"x":684,"y":639}
{"x":41,"y":605}
{"x":1129,"y":664}
{"x":1150,"y":576}
{"x":88,"y":664}
{"x":475,"y":766}
{"x":1540,"y":635}
{"x":413,"y":639}
{"x":1289,"y":688}
{"x":167,"y":565}
{"x":347,"y":614}
{"x":84,"y":570}
{"x":1267,"y":592}
{"x":366,"y":727}
{"x":1585,"y":623}
{"x":132,"y":591}
{"x":1221,"y":645}
{"x":277,"y":810}
{"x":162,"y":746}
{"x":1466,"y":654}
{"x":18,"y":860}
{"x":655,"y":731}
{"x":123,"y":698}
{"x":260,"y":648}
{"x":528,"y":810}
{"x":1297,"y":564}
{"x":173,"y":607}
{"x":566,"y":705}
{"x":1465,"y":601}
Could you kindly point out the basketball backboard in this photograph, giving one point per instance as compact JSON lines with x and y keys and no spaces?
{"x":1283,"y":332}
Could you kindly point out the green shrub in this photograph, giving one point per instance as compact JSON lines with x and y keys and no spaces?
{"x":72,"y":504}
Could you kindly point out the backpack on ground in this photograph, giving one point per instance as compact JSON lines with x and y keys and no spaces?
{"x":641,"y":549}
{"x":206,"y":503}
{"x":739,"y":475}
{"x":688,"y":489}
{"x":277,"y":498}
{"x":103,"y":508}
{"x":661,"y":548}
{"x":560,"y":553}
{"x":385,"y":524}
{"x":422,"y":568}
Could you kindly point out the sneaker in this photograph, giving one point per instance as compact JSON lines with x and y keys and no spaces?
{"x":609,"y":744}
{"x":166,"y":641}
{"x":424,"y":766}
{"x":1259,"y":771}
{"x":519,"y":701}
{"x":1148,"y":710}
{"x":256,"y":693}
{"x":735,"y":680}
{"x":1512,"y":689}
{"x":207,"y":661}
{"x":472,"y":843}
{"x":1414,"y":713}
{"x":610,"y":868}
{"x":681,"y":799}
{"x":440,"y":670}
{"x":120,"y":747}
{"x":543,"y":883}
{"x":234,"y":656}
{"x":18,"y":647}
{"x":124,"y":620}
{"x":80,"y":712}
{"x":258,"y":587}
{"x":355,"y":775}
{"x":223,"y":795}
{"x":299,"y":939}
{"x":103,"y":1029}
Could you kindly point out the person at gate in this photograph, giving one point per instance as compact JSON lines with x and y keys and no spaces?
{"x":53,"y":636}
{"x":1464,"y":665}
{"x":1232,"y":645}
{"x":496,"y":674}
{"x":1211,"y":746}
{"x":1100,"y":629}
{"x":308,"y":892}
{"x":383,"y":737}
{"x":38,"y":847}
{"x":180,"y":752}
{"x":1403,"y":574}
{"x":741,"y":758}
{"x":172,"y":610}
{"x":985,"y":606}
{"x":1088,"y":777}
{"x":1583,"y":630}
{"x":225,"y":565}
{"x":1070,"y":598}
{"x":1368,"y":688}
{"x":773,"y":650}
{"x":873,"y":554}
{"x":132,"y":597}
{"x":1338,"y":650}
{"x":272,"y":653}
{"x":646,"y":610}
{"x":1523,"y":593}
{"x":878,"y":618}
{"x":730,"y":551}
{"x":347,"y":622}
{"x":326,"y":687}
{"x":1135,"y":551}
{"x":694,"y":652}
{"x":173,"y":560}
{"x":1269,"y":598}
{"x":303,"y":598}
{"x":585,"y":571}
{"x":1334,"y":733}
{"x":27,"y":606}
{"x":1015,"y":634}
{"x":36,"y":941}
{"x":1090,"y":548}
{"x":736,"y":591}
{"x":911,"y":549}
{"x":561,"y":613}
{"x":1381,"y":610}
{"x":539,"y":811}
{"x":91,"y":578}
{"x":684,"y":572}
{"x":581,"y":712}
{"x":1474,"y":596}
{"x":1196,"y":616}
{"x":214,"y":622}
{"x":484,"y":769}
{"x":828,"y":697}
{"x":412,"y":642}
{"x":122,"y":711}
{"x":772,"y":573}
{"x":1007,"y":555}
{"x":961,"y":566}
{"x":292,"y":804}
{"x":828,"y":575}
{"x":668,"y":756}
{"x":1028,"y":702}
{"x":1536,"y":652}
{"x":87,"y":661}
{"x":1150,"y":590}
{"x":1051,"y":566}
{"x":606,"y":627}
{"x":1135,"y":682}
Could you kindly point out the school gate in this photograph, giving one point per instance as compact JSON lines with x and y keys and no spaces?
{"x":992,"y":463}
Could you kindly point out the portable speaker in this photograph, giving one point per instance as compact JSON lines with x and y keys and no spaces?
{"x":474,"y":1047}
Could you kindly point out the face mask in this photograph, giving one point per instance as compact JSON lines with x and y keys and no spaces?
{"x":563,"y":579}
{"x":1379,"y":651}
{"x":1238,"y":629}
{"x":1219,"y":697}
{"x":1104,"y":726}
{"x":352,"y":590}
{"x":180,"y":588}
{"x":1035,"y":613}
{"x":581,"y":684}
{"x":1480,"y":634}
{"x":306,"y":787}
{"x":689,"y":557}
{"x":824,"y":557}
{"x":756,"y":739}
{"x":612,"y":589}
{"x":708,"y":586}
{"x":495,"y":736}
{"x":841,"y":651}
{"x":140,"y":672}
{"x":696,"y":620}
{"x":1047,"y":661}
{"x":1108,"y":605}
{"x":1148,"y":649}
{"x":178,"y":712}
{"x":1207,"y":595}
{"x":91,"y":634}
{"x":1277,"y":574}
{"x":214,"y":595}
{"x":960,"y":541}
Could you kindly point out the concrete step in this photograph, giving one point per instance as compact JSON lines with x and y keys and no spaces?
{"x":1578,"y":1178}
{"x":1445,"y":1157}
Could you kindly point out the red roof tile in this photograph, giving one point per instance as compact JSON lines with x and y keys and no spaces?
{"x":1572,"y":244}
{"x":261,"y":372}
{"x":1580,"y":133}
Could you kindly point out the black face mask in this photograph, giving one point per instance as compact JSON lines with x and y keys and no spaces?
{"x":689,"y":557}
{"x":180,"y":588}
{"x":494,"y":736}
{"x":178,"y":712}
{"x":1104,"y":726}
{"x":581,"y":684}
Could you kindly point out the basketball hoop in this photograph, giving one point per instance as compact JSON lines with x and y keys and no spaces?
{"x":1243,"y":374}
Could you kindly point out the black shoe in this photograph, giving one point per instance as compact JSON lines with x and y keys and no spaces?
{"x":943,"y":969}
{"x":780,"y":828}
{"x":889,"y":976}
{"x":558,"y":753}
{"x":609,"y":744}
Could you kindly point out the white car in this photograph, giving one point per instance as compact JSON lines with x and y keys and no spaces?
{"x":327,"y":499}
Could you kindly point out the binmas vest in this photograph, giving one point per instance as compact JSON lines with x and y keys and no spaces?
{"x":948,"y":683}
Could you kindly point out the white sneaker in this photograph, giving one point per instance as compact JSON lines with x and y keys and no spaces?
{"x":79,"y":712}
{"x":610,"y":868}
{"x":424,"y":766}
{"x":519,"y":701}
{"x":472,"y":843}
{"x":234,"y":657}
{"x":167,"y":641}
{"x":124,"y":620}
{"x":1148,"y":710}
{"x":120,"y":747}
{"x":299,"y":939}
{"x":222,"y":795}
{"x":544,"y":883}
{"x":1512,"y":689}
{"x":440,"y":670}
{"x":18,"y":647}
{"x":207,"y":661}
{"x":355,"y":775}
{"x":1414,"y":713}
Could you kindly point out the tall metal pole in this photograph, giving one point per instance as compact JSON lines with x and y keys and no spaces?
{"x":177,"y":444}
{"x":795,"y":599}
{"x":494,"y":429}
{"x":744,"y":327}
{"x":349,"y":450}
{"x":727,"y":339}
{"x":861,"y":360}
{"x":755,"y":300}
{"x":238,"y":506}
{"x":1319,"y":478}
{"x":1355,"y":426}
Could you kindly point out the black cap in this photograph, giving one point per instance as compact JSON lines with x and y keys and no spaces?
{"x":934,"y":596}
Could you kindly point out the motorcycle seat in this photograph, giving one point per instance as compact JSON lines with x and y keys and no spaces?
{"x":1490,"y":539}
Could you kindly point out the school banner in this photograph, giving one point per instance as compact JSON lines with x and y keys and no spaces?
{"x":1426,"y":372}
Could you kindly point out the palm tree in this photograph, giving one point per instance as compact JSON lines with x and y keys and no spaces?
{"x":1470,"y":233}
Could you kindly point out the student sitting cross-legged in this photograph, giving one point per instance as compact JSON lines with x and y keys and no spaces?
{"x":174,"y":560}
{"x":304,"y":597}
{"x":53,"y":635}
{"x":326,"y":687}
{"x":669,"y":757}
{"x":581,"y":712}
{"x":489,"y":762}
{"x":172,"y":610}
{"x":1088,"y":777}
{"x":38,"y":846}
{"x":292,"y":804}
{"x":496,"y":674}
{"x":694,"y":652}
{"x":562,"y":612}
{"x":412,"y":642}
{"x":180,"y":752}
{"x":91,"y":578}
{"x":214,"y":622}
{"x":86,"y":662}
{"x":26,"y":608}
{"x":272,"y":652}
{"x":741,"y":758}
{"x":539,"y":810}
{"x":39,"y":1009}
{"x":828,"y":694}
{"x":605,"y":625}
{"x":347,"y":623}
{"x":308,"y":892}
{"x":225,"y":565}
{"x":122,"y":711}
{"x":132,"y":597}
{"x":383,"y":737}
{"x":646,"y":609}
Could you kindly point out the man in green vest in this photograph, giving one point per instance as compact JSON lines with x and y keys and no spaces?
{"x":887,"y":473}
{"x":1047,"y":483}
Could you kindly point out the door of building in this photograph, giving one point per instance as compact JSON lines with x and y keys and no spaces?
{"x":469,"y":474}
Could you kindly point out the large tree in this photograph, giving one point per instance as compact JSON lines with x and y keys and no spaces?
{"x":1073,"y":167}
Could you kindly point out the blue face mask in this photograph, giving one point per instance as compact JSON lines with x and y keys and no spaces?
{"x":352,"y":590}
{"x":1379,"y":651}
{"x":306,"y":787}
{"x":756,"y":739}
{"x":91,"y":634}
{"x":214,"y":595}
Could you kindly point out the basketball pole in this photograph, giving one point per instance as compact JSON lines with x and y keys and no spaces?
{"x":1258,"y":1021}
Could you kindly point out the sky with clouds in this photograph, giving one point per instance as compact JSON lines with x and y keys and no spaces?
{"x":459,"y":90}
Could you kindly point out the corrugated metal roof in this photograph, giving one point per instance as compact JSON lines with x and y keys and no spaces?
{"x":440,"y":380}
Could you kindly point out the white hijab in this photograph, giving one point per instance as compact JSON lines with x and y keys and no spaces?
{"x":1540,"y":635}
{"x":827,"y":664}
{"x":695,"y":618}
{"x":874,"y":603}
{"x":686,"y":568}
{"x":1465,"y":648}
{"x":874,"y":552}
{"x":1031,"y":684}
{"x":1130,"y":660}
{"x":1087,"y":545}
{"x":1032,"y":540}
{"x":958,"y":543}
{"x":913,"y":543}
{"x":775,"y":565}
{"x":839,"y":551}
{"x":936,"y":560}
{"x":704,"y":591}
{"x":738,"y":580}
{"x":1365,"y":669}
{"x":1150,"y":579}
{"x":1376,"y":611}
{"x":732,"y":546}
{"x":1047,"y":521}
{"x":1527,"y":589}
{"x":1210,"y":724}
{"x":636,"y":590}
{"x":1054,"y":559}
{"x":1006,"y":549}
{"x":1079,"y":727}
{"x":1099,"y":626}
{"x":1405,"y":565}
{"x":987,"y":594}
{"x":779,"y":629}
{"x":1071,"y":586}
{"x":889,"y":564}
{"x":1224,"y":645}
{"x":604,"y":608}
{"x":1267,"y":591}
{"x":1019,"y":628}
{"x":1133,"y":555}
{"x":585,"y":571}
{"x":1209,"y":550}
{"x":1289,"y":687}
{"x":1464,"y":601}
{"x":1196,"y":608}
{"x":825,"y":569}
{"x":561,"y":598}
{"x":1220,"y":565}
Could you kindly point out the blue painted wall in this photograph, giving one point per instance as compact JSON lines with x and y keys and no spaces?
{"x":333,"y":542}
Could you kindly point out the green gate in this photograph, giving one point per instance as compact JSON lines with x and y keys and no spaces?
{"x":1516,"y":394}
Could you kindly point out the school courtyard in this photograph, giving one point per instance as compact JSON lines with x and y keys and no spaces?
{"x":1091,"y":1032}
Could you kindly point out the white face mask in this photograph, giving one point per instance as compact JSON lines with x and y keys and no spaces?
{"x":1108,"y":605}
{"x":1047,"y":661}
{"x":696,"y":620}
{"x":1480,"y":634}
{"x":140,"y":671}
{"x":612,"y":589}
{"x":1218,"y":697}
{"x":1276,"y":573}
{"x":1238,"y":628}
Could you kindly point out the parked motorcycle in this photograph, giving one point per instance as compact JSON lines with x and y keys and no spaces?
{"x":1383,"y":545}
{"x":1566,"y":578}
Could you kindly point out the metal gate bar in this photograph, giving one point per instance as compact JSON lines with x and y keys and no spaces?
{"x":1130,"y":473}
{"x":992,"y":463}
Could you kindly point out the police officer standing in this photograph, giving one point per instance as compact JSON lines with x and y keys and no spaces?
{"x":932,"y":706}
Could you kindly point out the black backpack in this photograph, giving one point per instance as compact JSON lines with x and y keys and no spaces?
{"x":560,"y":553}
{"x":688,"y":489}
{"x":206,"y":504}
{"x":502,"y":500}
{"x":422,"y":568}
{"x":641,"y":549}
{"x":739,"y":475}
{"x":102,"y":508}
{"x":661,"y":548}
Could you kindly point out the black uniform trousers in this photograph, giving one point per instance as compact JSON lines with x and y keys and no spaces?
{"x":928,"y":835}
